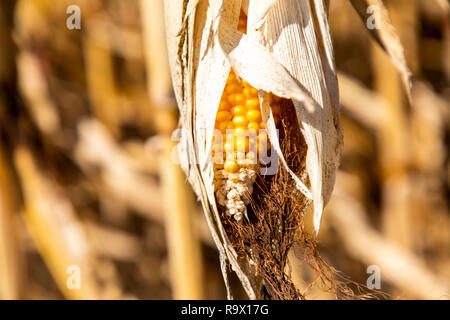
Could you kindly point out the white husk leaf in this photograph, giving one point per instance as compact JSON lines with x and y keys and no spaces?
{"x":287,"y":52}
{"x":297,"y":34}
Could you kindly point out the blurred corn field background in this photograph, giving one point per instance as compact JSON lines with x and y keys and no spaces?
{"x":88,"y":187}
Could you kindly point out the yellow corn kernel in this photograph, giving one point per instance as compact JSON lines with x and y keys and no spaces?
{"x":239,"y":131}
{"x":240,"y":156}
{"x":231,"y":139}
{"x":240,"y":121}
{"x":239,"y":110}
{"x":252,"y":104}
{"x":263,"y":141}
{"x":253,"y":129}
{"x":230,"y":166}
{"x":263,"y":135}
{"x":229,"y":147}
{"x":217,"y":147}
{"x":240,"y":98}
{"x":236,"y":98}
{"x":230,"y":156}
{"x":242,"y":144}
{"x":254,"y":115}
{"x":253,"y":126}
{"x":252,"y":141}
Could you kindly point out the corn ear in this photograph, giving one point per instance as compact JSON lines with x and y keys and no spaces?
{"x":287,"y":52}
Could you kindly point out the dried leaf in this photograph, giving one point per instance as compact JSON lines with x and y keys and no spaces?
{"x":386,"y":36}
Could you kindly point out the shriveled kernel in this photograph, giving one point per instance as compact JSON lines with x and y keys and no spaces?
{"x":224,"y":105}
{"x":231,"y":77}
{"x":240,"y":156}
{"x":223,"y":126}
{"x":254,"y":115}
{"x":233,"y":88}
{"x":251,"y":156}
{"x":223,"y":116}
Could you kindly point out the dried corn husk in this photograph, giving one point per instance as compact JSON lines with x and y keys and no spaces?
{"x":387,"y":37}
{"x":287,"y":51}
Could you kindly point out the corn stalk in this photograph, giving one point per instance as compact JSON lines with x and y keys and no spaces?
{"x":186,"y":268}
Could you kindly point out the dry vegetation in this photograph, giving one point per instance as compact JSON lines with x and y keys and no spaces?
{"x":86,"y":177}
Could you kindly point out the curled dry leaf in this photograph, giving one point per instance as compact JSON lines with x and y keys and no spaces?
{"x":386,"y":36}
{"x":286,"y":53}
